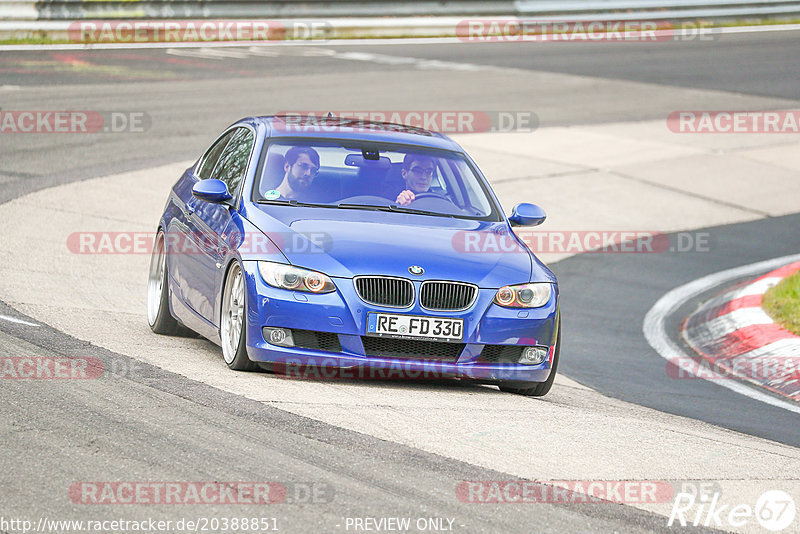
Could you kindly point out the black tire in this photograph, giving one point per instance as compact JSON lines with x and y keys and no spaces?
{"x":235,"y":352}
{"x":159,"y":317}
{"x":542,"y":388}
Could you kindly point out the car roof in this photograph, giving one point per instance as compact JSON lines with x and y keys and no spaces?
{"x":295,"y":126}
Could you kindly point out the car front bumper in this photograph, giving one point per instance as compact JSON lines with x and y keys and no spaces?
{"x":344,"y":315}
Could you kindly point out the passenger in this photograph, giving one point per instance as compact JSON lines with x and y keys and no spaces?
{"x":301,"y":165}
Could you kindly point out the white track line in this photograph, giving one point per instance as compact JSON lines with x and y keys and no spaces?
{"x":362,"y":42}
{"x":15,"y":320}
{"x":656,"y":334}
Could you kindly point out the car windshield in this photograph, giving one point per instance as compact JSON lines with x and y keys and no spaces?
{"x":359,"y":176}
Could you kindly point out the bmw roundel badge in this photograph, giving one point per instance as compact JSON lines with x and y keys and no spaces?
{"x":416,"y":269}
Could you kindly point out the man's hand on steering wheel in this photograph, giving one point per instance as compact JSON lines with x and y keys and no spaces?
{"x":405,"y":198}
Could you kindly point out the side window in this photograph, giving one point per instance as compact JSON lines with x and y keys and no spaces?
{"x":232,"y":163}
{"x":476,"y":199}
{"x":212,"y":155}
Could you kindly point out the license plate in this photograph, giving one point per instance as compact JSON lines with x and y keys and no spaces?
{"x":414,"y":327}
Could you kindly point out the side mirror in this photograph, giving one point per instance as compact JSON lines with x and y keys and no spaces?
{"x":211,"y":191}
{"x":527,"y":215}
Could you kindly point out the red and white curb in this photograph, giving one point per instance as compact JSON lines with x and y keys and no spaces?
{"x":734,"y":335}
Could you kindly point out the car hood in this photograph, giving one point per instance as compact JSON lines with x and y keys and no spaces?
{"x":346,"y":243}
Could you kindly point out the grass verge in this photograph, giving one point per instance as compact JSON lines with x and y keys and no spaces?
{"x":782,"y":303}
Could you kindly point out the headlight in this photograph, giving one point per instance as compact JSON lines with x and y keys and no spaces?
{"x":285,"y":276}
{"x":533,"y":295}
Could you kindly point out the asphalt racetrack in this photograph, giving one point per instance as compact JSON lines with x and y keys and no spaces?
{"x":378,"y":450}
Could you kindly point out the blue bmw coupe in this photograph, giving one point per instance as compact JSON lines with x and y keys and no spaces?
{"x":299,"y":242}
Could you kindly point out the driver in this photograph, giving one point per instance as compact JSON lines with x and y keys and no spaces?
{"x":301,"y":165}
{"x":417,"y":173}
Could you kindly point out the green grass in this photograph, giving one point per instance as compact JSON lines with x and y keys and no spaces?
{"x":40,"y":39}
{"x":782,"y":303}
{"x":756,"y":22}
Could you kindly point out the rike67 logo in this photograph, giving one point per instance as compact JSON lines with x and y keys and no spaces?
{"x":774,"y":510}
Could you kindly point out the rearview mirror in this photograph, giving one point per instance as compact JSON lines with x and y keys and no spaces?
{"x":357,"y":160}
{"x":211,"y":191}
{"x":527,"y":215}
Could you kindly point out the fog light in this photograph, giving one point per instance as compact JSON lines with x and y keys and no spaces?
{"x":533,"y":355}
{"x":281,"y":337}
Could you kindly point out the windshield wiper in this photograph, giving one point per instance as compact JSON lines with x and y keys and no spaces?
{"x":370,"y":207}
{"x":393,"y":208}
{"x":401,"y":209}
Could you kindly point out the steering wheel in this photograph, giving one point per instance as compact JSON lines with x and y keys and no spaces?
{"x":418,"y":196}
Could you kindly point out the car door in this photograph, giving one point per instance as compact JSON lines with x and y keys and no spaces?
{"x":184,"y":264}
{"x":209,"y":221}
